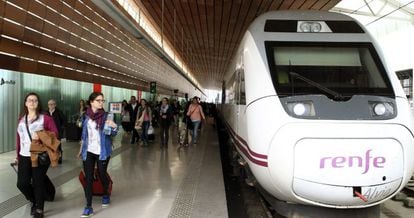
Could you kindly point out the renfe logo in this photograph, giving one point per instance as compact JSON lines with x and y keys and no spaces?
{"x":353,"y":161}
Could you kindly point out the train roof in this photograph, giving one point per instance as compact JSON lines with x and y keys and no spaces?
{"x":301,"y":15}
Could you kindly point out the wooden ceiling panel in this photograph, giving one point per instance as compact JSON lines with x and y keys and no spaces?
{"x":206,"y":33}
{"x":308,"y":4}
{"x":275,"y":5}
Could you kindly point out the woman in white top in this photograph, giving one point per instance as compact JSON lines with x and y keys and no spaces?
{"x":31,"y":180}
{"x":96,"y":148}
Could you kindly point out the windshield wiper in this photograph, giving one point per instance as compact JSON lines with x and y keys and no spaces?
{"x":335,"y":94}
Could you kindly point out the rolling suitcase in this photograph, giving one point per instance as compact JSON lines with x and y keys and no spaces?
{"x":50,"y":190}
{"x":97,"y":187}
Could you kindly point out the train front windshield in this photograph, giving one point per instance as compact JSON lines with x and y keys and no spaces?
{"x":332,"y":69}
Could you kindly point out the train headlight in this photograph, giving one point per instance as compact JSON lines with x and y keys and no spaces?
{"x":302,"y":108}
{"x":312,"y":27}
{"x":299,"y":109}
{"x":382,"y":108}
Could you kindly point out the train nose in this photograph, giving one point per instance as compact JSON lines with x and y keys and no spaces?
{"x":339,"y":165}
{"x":347,"y":172}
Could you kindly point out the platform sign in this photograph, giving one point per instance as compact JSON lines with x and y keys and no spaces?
{"x":115,"y":107}
{"x":153,"y":87}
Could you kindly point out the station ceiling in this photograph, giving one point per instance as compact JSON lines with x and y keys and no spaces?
{"x":206,"y":32}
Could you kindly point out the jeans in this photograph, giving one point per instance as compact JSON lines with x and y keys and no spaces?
{"x":89,"y":168}
{"x":144,"y":134}
{"x":26,"y":175}
{"x":194,"y":131}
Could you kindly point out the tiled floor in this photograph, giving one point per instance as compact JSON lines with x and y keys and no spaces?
{"x":148,"y":181}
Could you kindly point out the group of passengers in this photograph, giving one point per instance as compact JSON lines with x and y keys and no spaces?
{"x":96,"y":148}
{"x":139,"y":118}
{"x":96,"y":143}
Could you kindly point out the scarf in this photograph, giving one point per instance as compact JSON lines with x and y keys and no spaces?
{"x":164,"y":108}
{"x":97,"y":117}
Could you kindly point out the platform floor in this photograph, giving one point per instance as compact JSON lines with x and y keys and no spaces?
{"x":148,"y":181}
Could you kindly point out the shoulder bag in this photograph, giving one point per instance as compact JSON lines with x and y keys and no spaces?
{"x":42,"y":157}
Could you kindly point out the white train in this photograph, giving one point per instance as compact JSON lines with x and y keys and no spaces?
{"x":316,"y":114}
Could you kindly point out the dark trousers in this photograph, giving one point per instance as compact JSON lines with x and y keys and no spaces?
{"x":31,"y":181}
{"x":88,"y":168}
{"x":164,"y":132}
{"x":135,"y":135}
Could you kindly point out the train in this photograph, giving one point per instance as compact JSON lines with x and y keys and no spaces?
{"x":315,"y":114}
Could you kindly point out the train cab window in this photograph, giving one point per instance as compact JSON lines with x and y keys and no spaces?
{"x":349,"y":69}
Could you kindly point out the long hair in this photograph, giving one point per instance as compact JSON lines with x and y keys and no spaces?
{"x":146,"y":103}
{"x":25,"y":111}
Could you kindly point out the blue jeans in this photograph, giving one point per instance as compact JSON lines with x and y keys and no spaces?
{"x":144,"y":134}
{"x":194,"y":131}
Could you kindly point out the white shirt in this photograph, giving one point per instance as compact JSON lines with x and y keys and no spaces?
{"x":94,"y":140}
{"x":24,"y":136}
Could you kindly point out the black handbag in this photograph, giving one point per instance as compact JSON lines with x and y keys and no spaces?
{"x":42,"y":158}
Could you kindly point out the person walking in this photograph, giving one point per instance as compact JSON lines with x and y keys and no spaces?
{"x":96,"y":148}
{"x":125,"y":118}
{"x":60,"y":122}
{"x":82,"y":107}
{"x":195,"y":112}
{"x":144,"y":114}
{"x":166,"y":117}
{"x":133,"y":113}
{"x":31,"y":180}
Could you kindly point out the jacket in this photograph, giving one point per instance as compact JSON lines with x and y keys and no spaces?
{"x":48,"y":124}
{"x":47,"y":142}
{"x":60,"y":120}
{"x":106,"y":140}
{"x":165,"y":122}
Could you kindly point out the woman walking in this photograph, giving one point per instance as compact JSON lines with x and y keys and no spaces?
{"x":96,"y":148}
{"x":195,"y":112}
{"x":144,"y":115}
{"x":31,"y":180}
{"x":166,"y":116}
{"x":126,"y":119}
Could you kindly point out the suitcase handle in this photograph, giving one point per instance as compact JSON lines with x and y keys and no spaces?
{"x":13,"y":165}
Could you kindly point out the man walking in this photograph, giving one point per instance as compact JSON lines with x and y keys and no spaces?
{"x":60,"y":121}
{"x":133,"y":111}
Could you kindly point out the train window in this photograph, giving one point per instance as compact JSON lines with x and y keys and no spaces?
{"x":231,"y":90}
{"x":242,"y":95}
{"x":312,"y":68}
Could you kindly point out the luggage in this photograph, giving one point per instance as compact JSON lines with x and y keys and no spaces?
{"x":73,"y":132}
{"x":97,"y":187}
{"x":50,"y":190}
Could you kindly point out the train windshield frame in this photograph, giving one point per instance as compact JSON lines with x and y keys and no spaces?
{"x":335,"y":69}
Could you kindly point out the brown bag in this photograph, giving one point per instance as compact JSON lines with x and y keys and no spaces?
{"x":138,"y":123}
{"x":48,"y":143}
